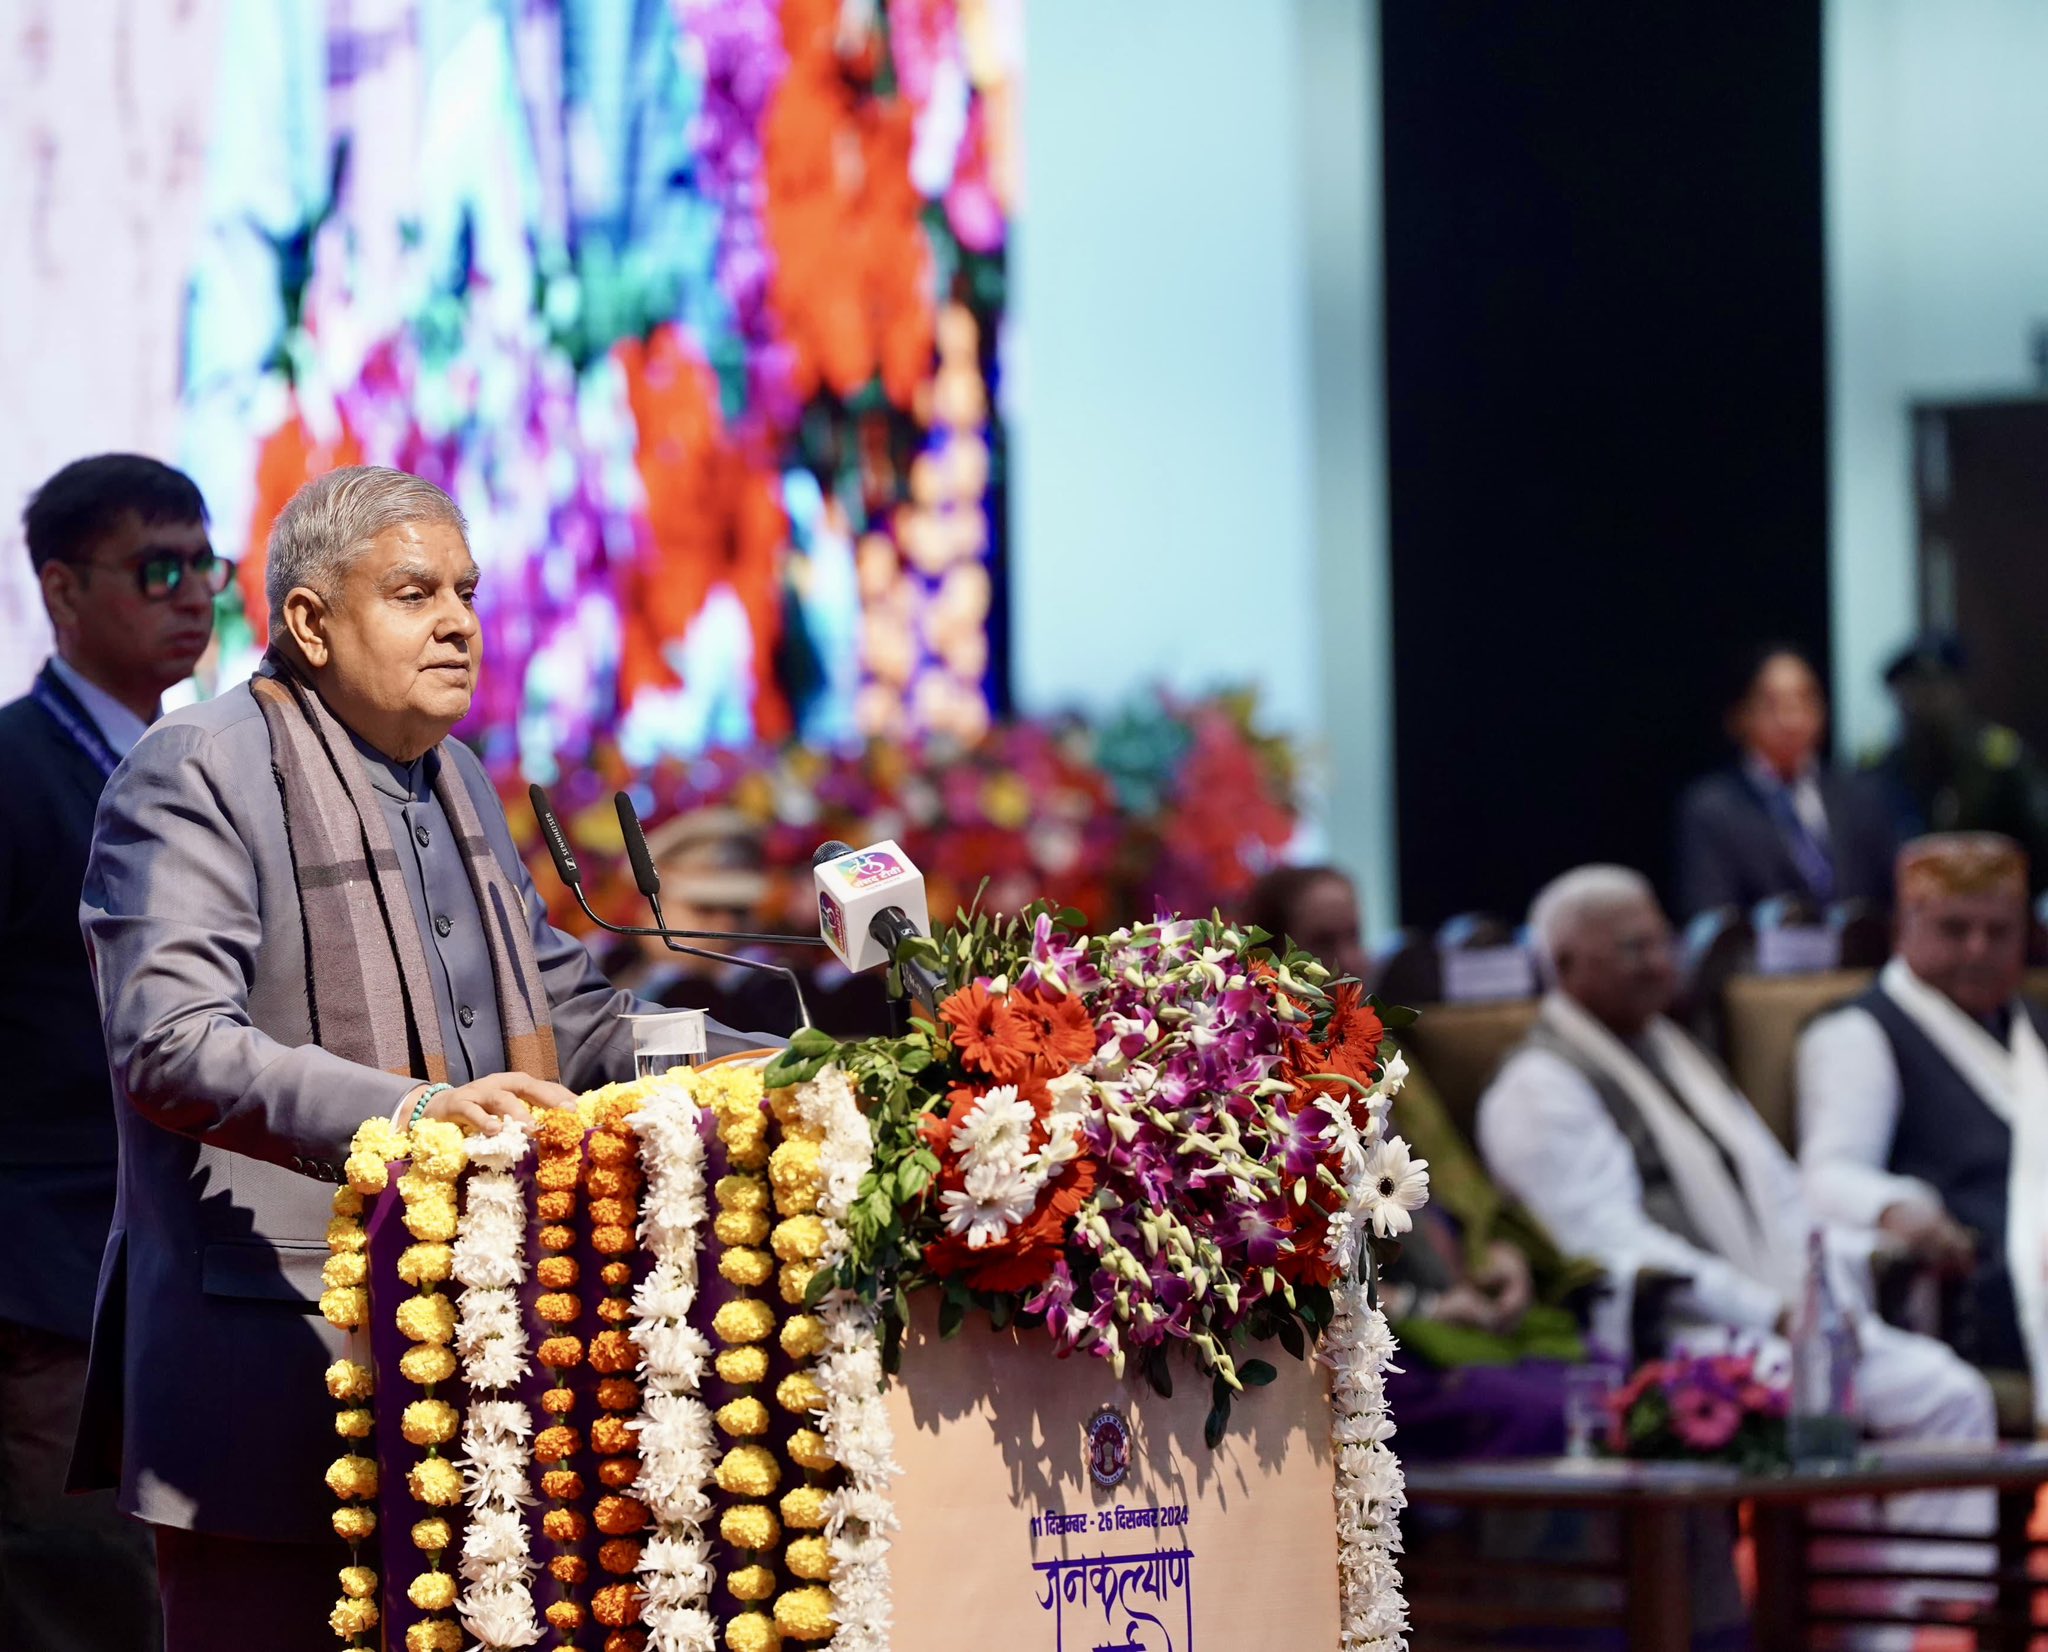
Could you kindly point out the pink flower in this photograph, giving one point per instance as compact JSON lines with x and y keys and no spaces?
{"x":1704,"y":1420}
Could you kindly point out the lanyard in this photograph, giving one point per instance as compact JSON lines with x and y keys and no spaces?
{"x":84,"y":732}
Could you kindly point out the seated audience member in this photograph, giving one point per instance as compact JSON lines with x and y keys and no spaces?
{"x":1614,"y":1127}
{"x":1953,"y":770}
{"x":1923,"y":1105}
{"x":1479,"y":1295}
{"x":1781,"y":821}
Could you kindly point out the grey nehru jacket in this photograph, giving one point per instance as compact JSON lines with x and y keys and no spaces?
{"x":444,"y":902}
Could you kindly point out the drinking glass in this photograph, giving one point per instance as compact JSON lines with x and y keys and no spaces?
{"x":673,"y":1038}
{"x":1586,"y":1391}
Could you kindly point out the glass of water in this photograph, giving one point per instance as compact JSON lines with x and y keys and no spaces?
{"x":1586,"y":1392}
{"x":673,"y":1038}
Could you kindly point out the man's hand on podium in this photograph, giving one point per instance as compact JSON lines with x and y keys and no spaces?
{"x":483,"y":1102}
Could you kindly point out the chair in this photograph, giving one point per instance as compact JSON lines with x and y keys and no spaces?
{"x":1408,"y":972}
{"x":1715,"y":947}
{"x":1762,"y":1017}
{"x":1863,"y":932}
{"x":1461,"y":1047}
{"x":1481,"y":959}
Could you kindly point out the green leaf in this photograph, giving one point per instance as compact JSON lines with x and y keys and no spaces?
{"x":820,"y":1282}
{"x":952,"y":1315}
{"x":1001,"y":1310}
{"x":912,"y":1179}
{"x":1159,"y":1372}
{"x":1256,"y":1373}
{"x":1289,"y":1333}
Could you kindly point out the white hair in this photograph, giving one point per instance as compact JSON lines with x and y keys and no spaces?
{"x":331,"y":521}
{"x":1564,"y":904}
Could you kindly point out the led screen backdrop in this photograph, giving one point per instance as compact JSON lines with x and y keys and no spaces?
{"x":694,"y":305}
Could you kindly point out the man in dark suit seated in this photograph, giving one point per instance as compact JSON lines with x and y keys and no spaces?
{"x":305,"y":910}
{"x":120,"y":549}
{"x":1781,"y":821}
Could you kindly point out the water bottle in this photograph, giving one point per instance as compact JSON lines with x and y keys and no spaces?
{"x":1822,"y":1427}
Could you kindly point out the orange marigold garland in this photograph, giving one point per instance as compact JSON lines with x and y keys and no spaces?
{"x":558,"y":1141}
{"x":613,"y":1180}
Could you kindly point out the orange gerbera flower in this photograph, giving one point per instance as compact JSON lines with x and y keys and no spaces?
{"x":990,"y":1036}
{"x":1060,"y":1031}
{"x":1351,"y":1045}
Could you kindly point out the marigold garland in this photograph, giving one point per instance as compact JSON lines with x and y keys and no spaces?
{"x":613,"y":1181}
{"x":558,"y":1171}
{"x":733,"y":1095}
{"x":429,"y":1319}
{"x":345,"y":1304}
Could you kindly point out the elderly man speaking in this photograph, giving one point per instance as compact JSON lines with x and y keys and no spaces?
{"x":305,"y":910}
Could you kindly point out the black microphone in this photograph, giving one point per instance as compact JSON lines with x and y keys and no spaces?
{"x":644,"y":875}
{"x":649,"y":881}
{"x":565,"y":866}
{"x":558,"y":844}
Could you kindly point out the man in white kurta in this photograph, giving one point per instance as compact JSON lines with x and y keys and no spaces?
{"x":1923,"y":1104}
{"x":1625,"y":1139}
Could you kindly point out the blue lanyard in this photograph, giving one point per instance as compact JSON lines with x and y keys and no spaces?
{"x":84,"y":733}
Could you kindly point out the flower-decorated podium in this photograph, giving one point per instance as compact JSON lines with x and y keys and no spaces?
{"x":781,"y":1352}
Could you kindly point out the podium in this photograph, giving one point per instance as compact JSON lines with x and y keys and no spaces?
{"x":1008,"y":1541}
{"x":617,"y":1381}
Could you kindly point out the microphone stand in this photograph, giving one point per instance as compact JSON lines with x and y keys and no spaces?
{"x":643,"y":870}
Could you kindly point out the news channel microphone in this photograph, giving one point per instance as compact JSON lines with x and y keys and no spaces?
{"x":870,"y":901}
{"x":649,"y":882}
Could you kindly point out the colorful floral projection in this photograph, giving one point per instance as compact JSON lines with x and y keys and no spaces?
{"x":694,"y":305}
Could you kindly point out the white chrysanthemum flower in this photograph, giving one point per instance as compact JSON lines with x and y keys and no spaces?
{"x":500,"y":1616}
{"x":994,"y":1127}
{"x":1395,"y":1186}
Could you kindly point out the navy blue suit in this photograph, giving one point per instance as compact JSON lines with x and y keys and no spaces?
{"x":57,"y":1142}
{"x":76,"y":1574}
{"x":1732,"y":853}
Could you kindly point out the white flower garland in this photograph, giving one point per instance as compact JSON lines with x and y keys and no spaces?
{"x":861,"y":1514}
{"x":490,"y":1263}
{"x":678,"y":1450}
{"x":1359,"y":1349}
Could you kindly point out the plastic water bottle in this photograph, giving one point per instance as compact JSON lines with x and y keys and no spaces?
{"x":1822,"y":1427}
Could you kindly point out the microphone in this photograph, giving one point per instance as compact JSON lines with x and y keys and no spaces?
{"x":649,"y":882}
{"x":870,"y":901}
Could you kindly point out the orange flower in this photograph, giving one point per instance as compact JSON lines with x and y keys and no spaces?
{"x":1351,"y":1045}
{"x":1060,"y":1031}
{"x":616,"y":1605}
{"x":991,"y":1037}
{"x":616,"y":1516}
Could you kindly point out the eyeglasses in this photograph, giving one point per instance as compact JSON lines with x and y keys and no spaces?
{"x":160,"y":574}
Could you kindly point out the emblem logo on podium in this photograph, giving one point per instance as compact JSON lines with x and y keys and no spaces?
{"x":1109,"y":1447}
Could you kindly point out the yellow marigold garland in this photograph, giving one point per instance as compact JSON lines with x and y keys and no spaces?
{"x":345,"y":1304}
{"x":427,"y":1319}
{"x":747,"y":1470}
{"x":803,"y":1613}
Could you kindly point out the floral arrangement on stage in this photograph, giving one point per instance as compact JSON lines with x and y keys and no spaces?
{"x":1164,"y":1147}
{"x":1169,"y":805}
{"x":1711,"y":1408}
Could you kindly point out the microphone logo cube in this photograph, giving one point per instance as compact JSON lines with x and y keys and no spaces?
{"x":870,"y":869}
{"x":832,"y":922}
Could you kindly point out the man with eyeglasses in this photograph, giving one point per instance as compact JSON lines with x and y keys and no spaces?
{"x":119,"y":545}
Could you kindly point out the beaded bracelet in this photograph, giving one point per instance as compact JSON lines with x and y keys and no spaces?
{"x":419,"y":1108}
